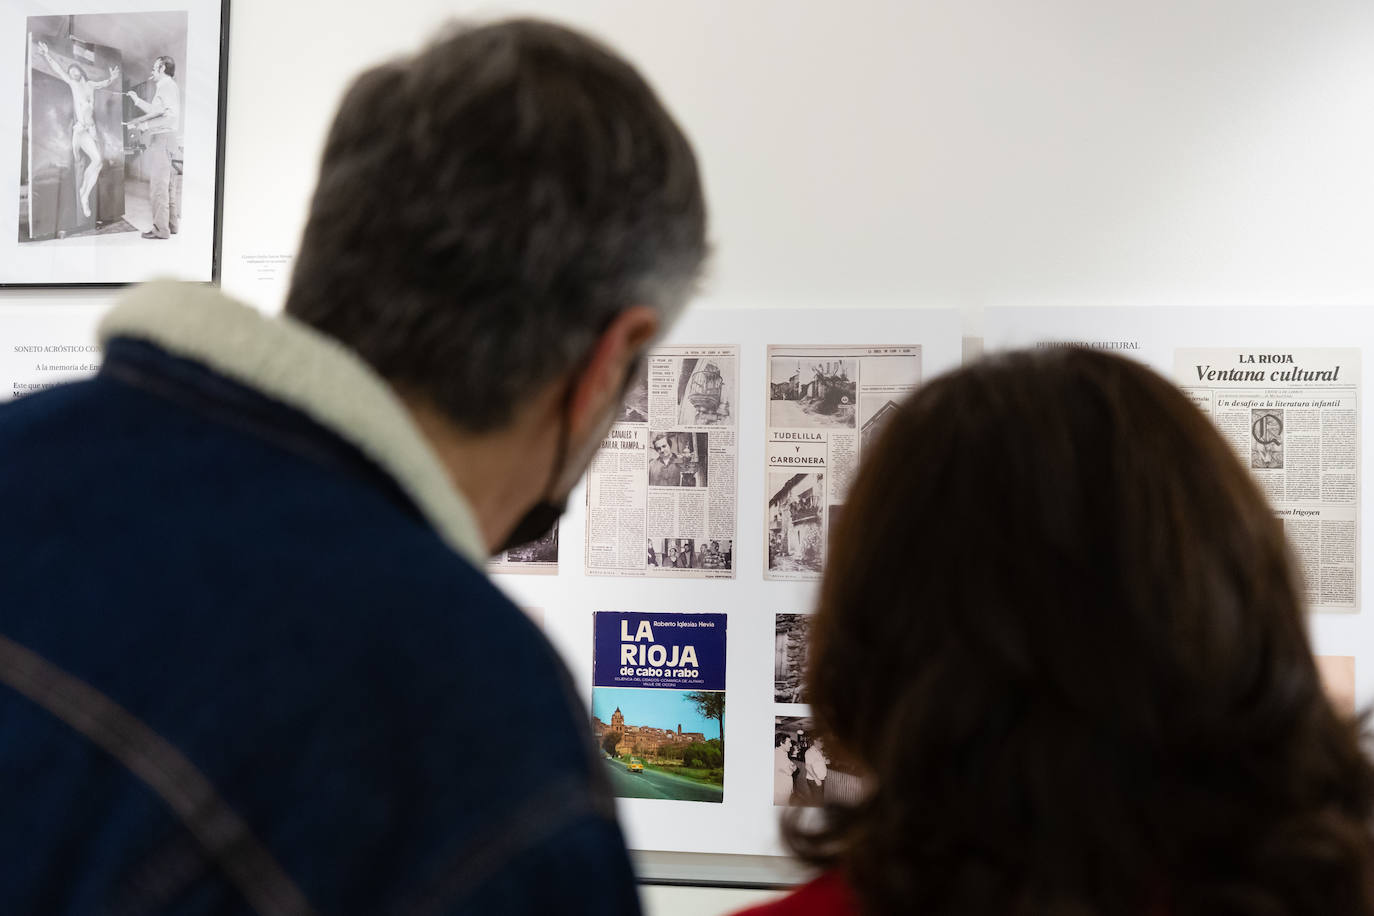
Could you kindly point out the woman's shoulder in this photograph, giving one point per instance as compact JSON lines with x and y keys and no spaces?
{"x":829,"y":894}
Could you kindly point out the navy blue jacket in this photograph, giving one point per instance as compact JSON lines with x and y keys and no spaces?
{"x":238,"y":665}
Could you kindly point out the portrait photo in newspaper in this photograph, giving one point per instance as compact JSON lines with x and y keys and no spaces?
{"x":806,"y":771}
{"x":790,"y":649}
{"x":679,"y":459}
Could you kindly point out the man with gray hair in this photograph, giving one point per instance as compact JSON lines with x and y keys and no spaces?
{"x":249,"y":658}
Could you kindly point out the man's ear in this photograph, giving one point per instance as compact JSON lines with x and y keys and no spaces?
{"x":603,"y":376}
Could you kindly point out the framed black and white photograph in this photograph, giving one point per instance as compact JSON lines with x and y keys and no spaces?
{"x":116,"y":112}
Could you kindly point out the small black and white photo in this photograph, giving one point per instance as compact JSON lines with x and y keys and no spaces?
{"x":543,"y":549}
{"x":790,"y":649}
{"x":808,"y":772}
{"x":636,"y":406}
{"x":811,"y":392}
{"x":716,"y":553}
{"x":795,"y":521}
{"x":673,"y":553}
{"x":118,"y":144}
{"x":1266,"y":438}
{"x":677,"y":459}
{"x":705,"y":386}
{"x":877,"y":420}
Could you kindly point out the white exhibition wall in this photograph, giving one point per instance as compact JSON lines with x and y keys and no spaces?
{"x":886,"y":153}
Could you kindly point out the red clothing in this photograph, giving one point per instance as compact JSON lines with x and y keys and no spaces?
{"x":828,"y":895}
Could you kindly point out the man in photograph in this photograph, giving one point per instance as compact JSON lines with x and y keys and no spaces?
{"x":282,"y":679}
{"x":815,"y":763}
{"x":664,"y":469}
{"x":85,"y":142}
{"x":159,"y":126}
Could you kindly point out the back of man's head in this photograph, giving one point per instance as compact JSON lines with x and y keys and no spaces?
{"x":487,"y":206}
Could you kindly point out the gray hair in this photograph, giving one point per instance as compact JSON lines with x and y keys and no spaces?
{"x":487,"y":207}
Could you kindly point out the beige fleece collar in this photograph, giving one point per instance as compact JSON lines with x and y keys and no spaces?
{"x":309,"y":371}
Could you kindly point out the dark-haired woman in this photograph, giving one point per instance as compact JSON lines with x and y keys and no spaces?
{"x":1062,"y":634}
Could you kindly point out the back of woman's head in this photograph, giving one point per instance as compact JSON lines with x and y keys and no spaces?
{"x":1061,"y":629}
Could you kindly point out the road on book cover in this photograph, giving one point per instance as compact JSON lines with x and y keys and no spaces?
{"x":656,"y":784}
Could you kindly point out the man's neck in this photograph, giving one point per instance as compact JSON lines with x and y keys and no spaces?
{"x":500,"y":473}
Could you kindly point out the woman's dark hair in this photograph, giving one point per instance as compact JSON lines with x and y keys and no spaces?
{"x":1061,"y":630}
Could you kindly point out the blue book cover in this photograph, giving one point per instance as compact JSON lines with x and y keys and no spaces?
{"x":658,"y":703}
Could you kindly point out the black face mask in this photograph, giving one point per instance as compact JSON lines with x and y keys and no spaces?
{"x":540,"y":518}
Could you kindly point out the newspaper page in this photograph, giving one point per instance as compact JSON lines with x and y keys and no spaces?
{"x":538,"y":558}
{"x":1293,"y":417}
{"x":661,"y":489}
{"x":824,"y":405}
{"x":658,"y":703}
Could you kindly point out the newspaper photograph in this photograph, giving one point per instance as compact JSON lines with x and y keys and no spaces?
{"x":538,"y":558}
{"x":1293,"y":417}
{"x":825,"y":404}
{"x":661,"y":490}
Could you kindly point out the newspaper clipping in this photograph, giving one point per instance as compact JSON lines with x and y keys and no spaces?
{"x":825,"y":404}
{"x":661,"y":489}
{"x":658,"y":703}
{"x":1293,"y":417}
